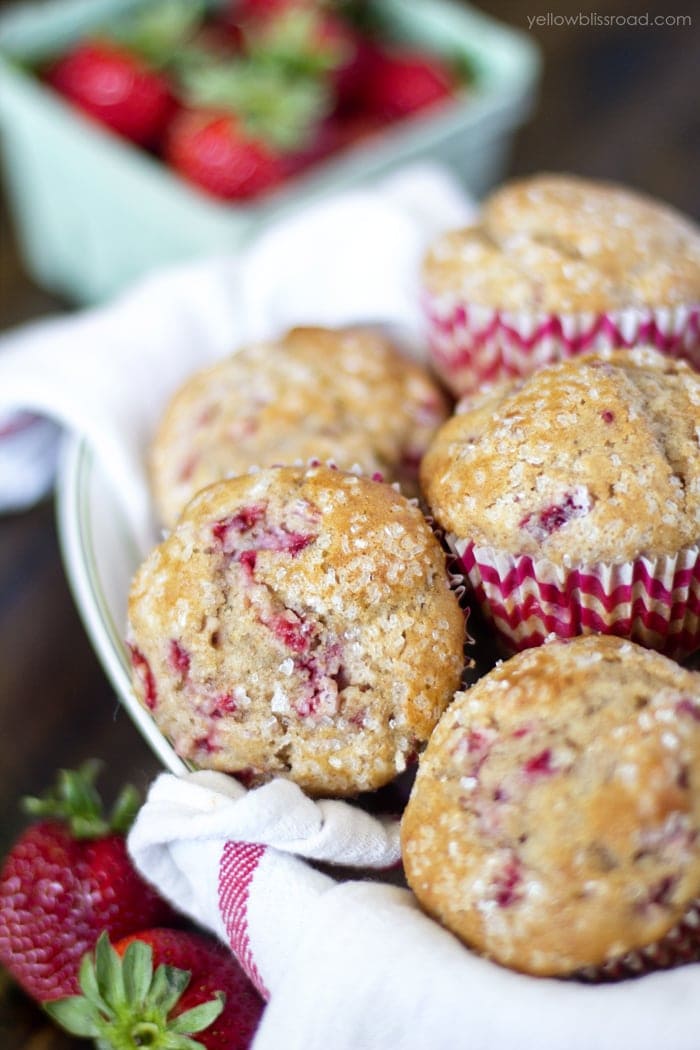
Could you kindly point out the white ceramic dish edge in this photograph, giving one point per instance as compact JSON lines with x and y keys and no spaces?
{"x":99,"y":559}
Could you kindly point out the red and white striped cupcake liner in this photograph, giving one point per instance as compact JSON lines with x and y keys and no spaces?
{"x":652,"y":601}
{"x":471,"y":346}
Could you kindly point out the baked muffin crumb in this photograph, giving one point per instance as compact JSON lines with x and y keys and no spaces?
{"x":555,"y":820}
{"x":346,"y":396}
{"x":595,"y":459}
{"x":561,"y":244}
{"x":297,"y":623}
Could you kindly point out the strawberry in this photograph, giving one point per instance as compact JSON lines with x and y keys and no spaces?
{"x":398,"y":83}
{"x":213,"y":151}
{"x":348,"y":55}
{"x":65,"y":880}
{"x":218,"y":41}
{"x":327,"y":139}
{"x":356,"y":128}
{"x":248,"y":10}
{"x":158,"y":988}
{"x":242,"y":119}
{"x":334,"y":135}
{"x":350,"y":75}
{"x":117,"y":88}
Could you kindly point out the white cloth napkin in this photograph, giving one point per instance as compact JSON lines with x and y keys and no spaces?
{"x":202,"y":837}
{"x":355,"y":965}
{"x":107,"y":372}
{"x":28,"y":454}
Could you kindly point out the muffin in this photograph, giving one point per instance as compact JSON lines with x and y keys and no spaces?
{"x":572,"y":499}
{"x":347,"y":396}
{"x":554,"y":824}
{"x":556,"y":266}
{"x":297,"y":623}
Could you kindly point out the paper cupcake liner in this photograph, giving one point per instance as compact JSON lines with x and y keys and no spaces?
{"x":474,"y":345}
{"x":653,"y":601}
{"x":680,"y":946}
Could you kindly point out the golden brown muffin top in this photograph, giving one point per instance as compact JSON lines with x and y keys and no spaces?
{"x":555,"y":819}
{"x":345,"y":395}
{"x":561,"y":244}
{"x":593,"y":459}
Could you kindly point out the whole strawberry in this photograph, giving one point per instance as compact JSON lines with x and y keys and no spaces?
{"x":65,"y":880}
{"x":399,"y":83}
{"x":116,"y":87}
{"x":214,"y":151}
{"x":159,"y":988}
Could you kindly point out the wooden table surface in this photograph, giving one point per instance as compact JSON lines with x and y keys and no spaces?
{"x":618,"y":102}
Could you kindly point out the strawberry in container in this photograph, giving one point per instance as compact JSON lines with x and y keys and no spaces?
{"x":399,"y":82}
{"x":116,"y":87}
{"x":120,"y":75}
{"x":240,"y":99}
{"x":241,"y":122}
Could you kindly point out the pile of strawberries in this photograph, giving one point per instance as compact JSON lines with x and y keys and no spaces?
{"x":106,"y":956}
{"x":239,"y":99}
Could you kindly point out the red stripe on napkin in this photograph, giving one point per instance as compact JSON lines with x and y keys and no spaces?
{"x":239,"y":861}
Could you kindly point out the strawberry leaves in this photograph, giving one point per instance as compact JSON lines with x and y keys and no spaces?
{"x":124,"y":1003}
{"x":71,"y":1015}
{"x":278,"y":88}
{"x":199,"y":1017}
{"x":76,"y":801}
{"x":282,"y":111}
{"x":158,"y":31}
{"x":300,"y":42}
{"x":137,"y":971}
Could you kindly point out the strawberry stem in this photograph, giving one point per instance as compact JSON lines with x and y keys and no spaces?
{"x":144,"y":1033}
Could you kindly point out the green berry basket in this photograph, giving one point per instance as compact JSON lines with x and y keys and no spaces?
{"x":93,"y":212}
